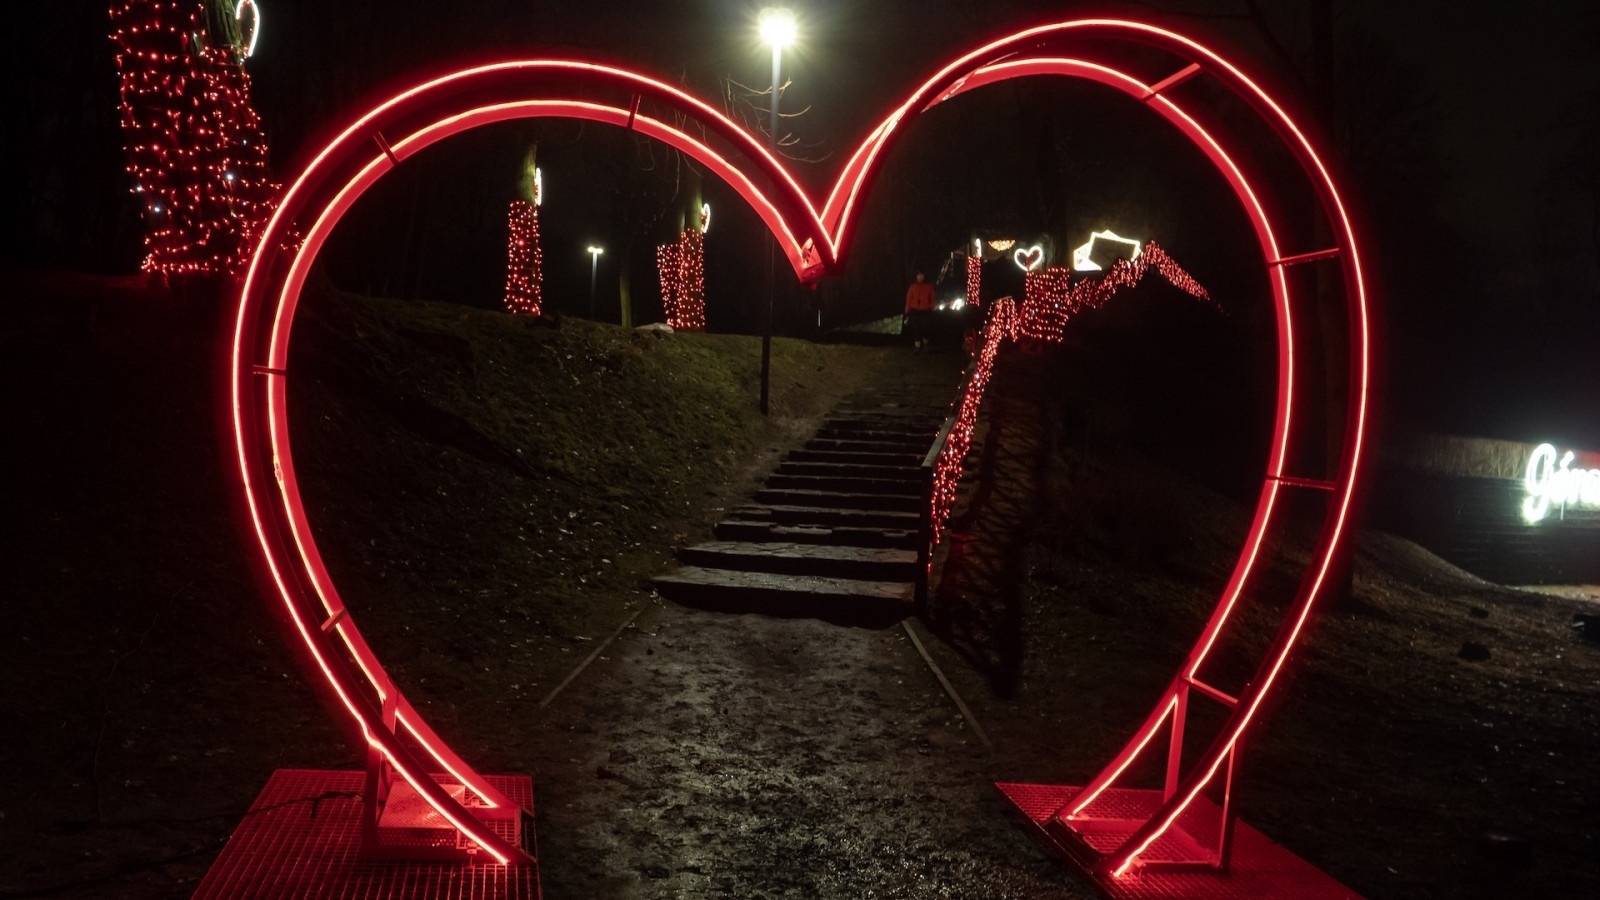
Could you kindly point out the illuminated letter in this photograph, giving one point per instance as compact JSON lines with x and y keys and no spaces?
{"x":1537,"y":482}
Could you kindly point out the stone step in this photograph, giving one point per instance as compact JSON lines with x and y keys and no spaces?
{"x":829,"y":518}
{"x":904,"y":423}
{"x":844,"y":601}
{"x":843,"y":485}
{"x":909,"y":503}
{"x":848,"y":446}
{"x":793,"y":558}
{"x":920,"y":413}
{"x":897,"y":458}
{"x":837,"y":535}
{"x":890,"y":435}
{"x":882,"y":423}
{"x":850,"y":470}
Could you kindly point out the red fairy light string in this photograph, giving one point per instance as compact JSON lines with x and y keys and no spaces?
{"x":692,"y":297}
{"x":683,"y":284}
{"x":524,"y":260}
{"x":947,"y":467}
{"x":669,"y":264}
{"x":1050,"y":298}
{"x":974,"y":279}
{"x":194,"y":144}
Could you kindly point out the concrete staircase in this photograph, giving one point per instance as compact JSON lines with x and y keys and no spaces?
{"x":834,"y":533}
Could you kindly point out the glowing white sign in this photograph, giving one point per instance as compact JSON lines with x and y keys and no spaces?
{"x":1030,"y":258}
{"x":1080,"y":257}
{"x":1551,"y":481}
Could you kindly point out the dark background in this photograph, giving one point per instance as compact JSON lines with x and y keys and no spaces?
{"x":1469,"y":141}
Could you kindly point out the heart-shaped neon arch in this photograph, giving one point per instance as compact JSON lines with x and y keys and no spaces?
{"x":814,"y":241}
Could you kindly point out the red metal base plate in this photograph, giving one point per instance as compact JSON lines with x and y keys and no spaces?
{"x":1260,"y":868}
{"x":302,"y":839}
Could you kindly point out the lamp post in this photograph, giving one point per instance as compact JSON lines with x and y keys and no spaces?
{"x":594,"y":268}
{"x":778,"y":29}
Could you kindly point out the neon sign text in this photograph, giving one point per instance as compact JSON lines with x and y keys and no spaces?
{"x":1551,"y":481}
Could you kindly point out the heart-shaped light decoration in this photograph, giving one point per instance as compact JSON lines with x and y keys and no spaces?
{"x":815,"y":240}
{"x":248,"y":36}
{"x":1028,"y":259}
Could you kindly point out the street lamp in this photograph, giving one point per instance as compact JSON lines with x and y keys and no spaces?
{"x":778,"y":29}
{"x":594,"y":268}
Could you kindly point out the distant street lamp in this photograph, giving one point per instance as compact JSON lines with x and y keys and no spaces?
{"x":778,"y":29}
{"x":594,"y":268}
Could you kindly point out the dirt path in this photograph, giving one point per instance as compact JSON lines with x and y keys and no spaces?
{"x":712,"y":755}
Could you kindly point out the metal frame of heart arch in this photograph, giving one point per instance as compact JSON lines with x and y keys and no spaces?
{"x":1150,"y":64}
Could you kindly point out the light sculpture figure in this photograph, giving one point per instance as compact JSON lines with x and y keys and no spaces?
{"x":1081,"y":260}
{"x":1028,"y":259}
{"x":815,"y":238}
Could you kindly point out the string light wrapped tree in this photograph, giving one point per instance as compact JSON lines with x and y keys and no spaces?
{"x":194,"y":143}
{"x":524,"y":255}
{"x":682,"y":267}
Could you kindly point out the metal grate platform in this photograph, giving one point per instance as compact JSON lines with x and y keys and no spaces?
{"x":302,"y":839}
{"x":1260,"y":867}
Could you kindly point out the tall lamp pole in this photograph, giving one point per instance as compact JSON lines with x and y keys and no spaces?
{"x":594,"y":269}
{"x":777,"y":29}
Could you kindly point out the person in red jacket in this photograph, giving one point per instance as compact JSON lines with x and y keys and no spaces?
{"x":918,"y":316}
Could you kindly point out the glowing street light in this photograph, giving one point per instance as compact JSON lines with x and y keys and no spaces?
{"x":594,"y":268}
{"x":778,"y":30}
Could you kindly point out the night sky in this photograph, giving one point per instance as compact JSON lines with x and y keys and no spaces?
{"x":1471,"y":142}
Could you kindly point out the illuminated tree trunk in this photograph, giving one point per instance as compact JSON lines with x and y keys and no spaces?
{"x":194,"y":144}
{"x":524,"y":260}
{"x":681,"y":263}
{"x":524,"y":255}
